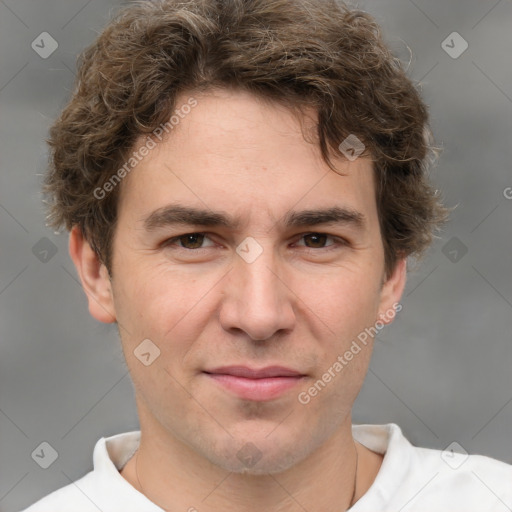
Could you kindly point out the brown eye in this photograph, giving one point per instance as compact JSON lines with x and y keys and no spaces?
{"x":188,"y":241}
{"x":191,"y":240}
{"x":321,"y":243}
{"x":317,"y":240}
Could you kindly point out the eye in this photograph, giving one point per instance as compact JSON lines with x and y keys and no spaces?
{"x":188,"y":241}
{"x":194,"y":241}
{"x":318,"y":240}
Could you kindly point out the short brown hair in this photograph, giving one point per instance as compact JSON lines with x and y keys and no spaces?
{"x":300,"y":53}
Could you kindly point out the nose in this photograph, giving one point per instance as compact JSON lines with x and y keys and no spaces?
{"x":257,"y":299}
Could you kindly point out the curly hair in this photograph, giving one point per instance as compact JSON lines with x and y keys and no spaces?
{"x":299,"y":53}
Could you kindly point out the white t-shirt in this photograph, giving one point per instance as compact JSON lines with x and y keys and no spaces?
{"x":410,"y":479}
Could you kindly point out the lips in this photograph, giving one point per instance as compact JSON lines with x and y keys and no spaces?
{"x":248,"y":373}
{"x":255,"y":384}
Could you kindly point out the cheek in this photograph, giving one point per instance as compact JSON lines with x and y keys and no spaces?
{"x":329,"y":397}
{"x":159,"y":306}
{"x":346,"y":303}
{"x":152,"y":303}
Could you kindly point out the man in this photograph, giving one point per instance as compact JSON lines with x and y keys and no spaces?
{"x":244,"y":182}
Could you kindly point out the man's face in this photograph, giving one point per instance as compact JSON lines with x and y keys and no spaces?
{"x":293,"y":295}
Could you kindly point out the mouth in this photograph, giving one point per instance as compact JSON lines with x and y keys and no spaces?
{"x":256,"y":384}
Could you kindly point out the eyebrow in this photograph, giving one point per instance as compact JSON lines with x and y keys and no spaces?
{"x":179,"y":214}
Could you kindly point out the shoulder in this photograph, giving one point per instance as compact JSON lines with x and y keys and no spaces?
{"x":74,"y":495}
{"x":476,"y":479}
{"x":103,"y":488}
{"x":424,"y":479}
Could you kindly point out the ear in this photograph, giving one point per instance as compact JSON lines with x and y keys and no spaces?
{"x":94,"y":277}
{"x":391,"y":292}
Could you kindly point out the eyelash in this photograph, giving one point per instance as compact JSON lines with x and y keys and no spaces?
{"x":338,"y":242}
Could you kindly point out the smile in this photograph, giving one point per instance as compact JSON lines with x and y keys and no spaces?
{"x":258,"y":385}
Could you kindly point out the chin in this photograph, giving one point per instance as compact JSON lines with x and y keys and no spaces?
{"x":277,"y":463}
{"x":258,"y":455}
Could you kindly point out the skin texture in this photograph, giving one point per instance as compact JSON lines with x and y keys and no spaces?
{"x":300,"y":304}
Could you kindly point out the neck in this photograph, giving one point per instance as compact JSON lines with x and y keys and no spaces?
{"x":174,"y":477}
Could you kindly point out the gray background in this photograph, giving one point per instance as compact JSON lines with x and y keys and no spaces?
{"x":442,"y":371}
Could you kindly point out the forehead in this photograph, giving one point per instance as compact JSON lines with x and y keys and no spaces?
{"x":233,"y":151}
